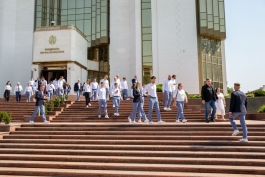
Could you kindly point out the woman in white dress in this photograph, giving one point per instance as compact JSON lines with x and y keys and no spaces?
{"x":220,"y":104}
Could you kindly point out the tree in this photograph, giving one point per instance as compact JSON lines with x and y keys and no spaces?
{"x":229,"y":90}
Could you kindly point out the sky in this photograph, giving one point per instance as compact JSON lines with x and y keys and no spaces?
{"x":245,"y":43}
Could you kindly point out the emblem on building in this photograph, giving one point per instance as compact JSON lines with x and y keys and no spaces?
{"x":52,"y":40}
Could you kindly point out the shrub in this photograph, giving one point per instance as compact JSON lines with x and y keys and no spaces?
{"x":6,"y":117}
{"x":159,"y":88}
{"x":250,"y":95}
{"x":51,"y":105}
{"x":62,"y":99}
{"x":66,"y":97}
{"x":146,"y":79}
{"x":259,"y":93}
{"x":57,"y":102}
{"x":262,"y":109}
{"x":195,"y":96}
{"x":228,"y":96}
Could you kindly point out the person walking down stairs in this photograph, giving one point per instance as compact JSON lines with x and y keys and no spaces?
{"x":8,"y":90}
{"x":18,"y":89}
{"x":39,"y":105}
{"x":116,"y":96}
{"x":87,"y":92}
{"x":179,"y":97}
{"x":102,"y":99}
{"x":28,"y":91}
{"x":78,"y":89}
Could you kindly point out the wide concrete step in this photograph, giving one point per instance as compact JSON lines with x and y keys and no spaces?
{"x":135,"y":167}
{"x":139,"y":133}
{"x":129,"y":159}
{"x":135,"y":142}
{"x":133,"y":137}
{"x":134,"y":147}
{"x":108,"y":173}
{"x":140,"y":153}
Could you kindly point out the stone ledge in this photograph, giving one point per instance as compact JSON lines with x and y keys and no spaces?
{"x":38,"y":118}
{"x":8,"y":127}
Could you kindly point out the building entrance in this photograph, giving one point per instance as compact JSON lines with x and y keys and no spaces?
{"x":52,"y":74}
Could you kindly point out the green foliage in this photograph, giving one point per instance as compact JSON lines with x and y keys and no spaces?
{"x":6,"y":117}
{"x":46,"y":108}
{"x":259,"y":93}
{"x":250,"y":95}
{"x":159,"y":88}
{"x":228,"y":96}
{"x":66,"y":97}
{"x":51,"y":106}
{"x":262,"y":109}
{"x":195,"y":96}
{"x":229,"y":90}
{"x":146,"y":79}
{"x":62,"y":97}
{"x":57,"y":102}
{"x":187,"y":94}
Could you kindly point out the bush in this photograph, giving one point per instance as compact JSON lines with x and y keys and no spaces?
{"x":57,"y":102}
{"x":259,"y":93}
{"x":250,"y":95}
{"x":6,"y":117}
{"x":195,"y":96}
{"x":159,"y":88}
{"x":51,"y":105}
{"x":228,"y":96}
{"x":66,"y":97}
{"x":62,"y":99}
{"x":146,"y":79}
{"x":261,"y":109}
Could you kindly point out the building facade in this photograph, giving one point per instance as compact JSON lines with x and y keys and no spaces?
{"x":125,"y":37}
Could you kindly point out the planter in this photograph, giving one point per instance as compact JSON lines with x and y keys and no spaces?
{"x":8,"y":127}
{"x":53,"y":113}
{"x":38,"y":118}
{"x":60,"y":109}
{"x":161,"y":97}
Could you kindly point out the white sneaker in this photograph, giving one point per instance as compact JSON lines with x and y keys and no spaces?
{"x":117,"y":114}
{"x":177,"y":121}
{"x":129,"y":119}
{"x":133,"y":122}
{"x":146,"y":121}
{"x":128,"y":99}
{"x":169,"y":109}
{"x":32,"y":122}
{"x":236,"y":132}
{"x":160,"y":122}
{"x":243,"y":140}
{"x":165,"y":108}
{"x":114,"y":106}
{"x":106,"y":116}
{"x":99,"y":116}
{"x":34,"y":99}
{"x":139,"y":121}
{"x":89,"y":104}
{"x":46,"y":122}
{"x":102,"y":106}
{"x":183,"y":121}
{"x":151,"y":123}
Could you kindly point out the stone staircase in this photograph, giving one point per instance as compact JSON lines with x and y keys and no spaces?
{"x":122,"y":149}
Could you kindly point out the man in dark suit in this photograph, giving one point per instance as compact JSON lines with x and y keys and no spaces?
{"x":238,"y":108}
{"x":78,"y":89}
{"x":209,"y":97}
{"x":134,"y":80}
{"x":39,"y":105}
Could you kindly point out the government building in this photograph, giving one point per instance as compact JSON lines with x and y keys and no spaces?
{"x":91,"y":38}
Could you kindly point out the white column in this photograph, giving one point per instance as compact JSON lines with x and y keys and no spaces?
{"x":74,"y":72}
{"x":224,"y":68}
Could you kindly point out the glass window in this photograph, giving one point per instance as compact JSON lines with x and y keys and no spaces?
{"x":79,"y":17}
{"x":71,"y":11}
{"x":71,"y":17}
{"x":80,"y":25}
{"x":103,"y":21}
{"x":87,"y":10}
{"x":209,"y":6}
{"x":146,"y":18}
{"x":146,"y":5}
{"x":147,"y":48}
{"x":79,"y":11}
{"x":87,"y":3}
{"x":39,"y":2}
{"x":71,"y":4}
{"x":80,"y":3}
{"x":64,"y":4}
{"x":146,"y":30}
{"x":147,"y":37}
{"x":202,"y":5}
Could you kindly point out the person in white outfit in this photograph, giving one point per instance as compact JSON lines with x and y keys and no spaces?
{"x":102,"y":100}
{"x":60,"y":84}
{"x":87,"y":89}
{"x":8,"y":90}
{"x":50,"y":89}
{"x":220,"y":105}
{"x":167,"y":91}
{"x":94,"y":85}
{"x":174,"y":81}
{"x":18,"y":89}
{"x":32,"y":84}
{"x":28,"y":91}
{"x":124,"y":86}
{"x":116,"y":97}
{"x":106,"y":85}
{"x":180,"y":97}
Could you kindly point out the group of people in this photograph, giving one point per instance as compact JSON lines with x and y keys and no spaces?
{"x":211,"y":97}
